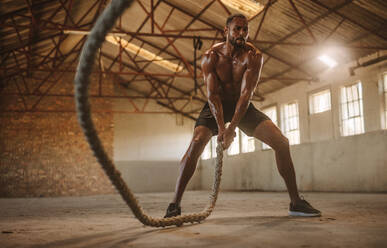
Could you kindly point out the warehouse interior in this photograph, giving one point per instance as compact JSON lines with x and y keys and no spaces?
{"x":323,"y":83}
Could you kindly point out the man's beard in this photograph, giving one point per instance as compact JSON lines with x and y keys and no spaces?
{"x":236,"y":44}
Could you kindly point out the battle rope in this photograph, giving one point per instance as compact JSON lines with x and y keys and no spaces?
{"x":86,"y":61}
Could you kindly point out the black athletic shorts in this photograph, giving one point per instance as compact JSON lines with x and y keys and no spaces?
{"x":252,"y":118}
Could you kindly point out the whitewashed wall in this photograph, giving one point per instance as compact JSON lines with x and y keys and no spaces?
{"x":148,"y":148}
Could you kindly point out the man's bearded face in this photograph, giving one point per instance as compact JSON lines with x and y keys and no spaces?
{"x":238,"y":32}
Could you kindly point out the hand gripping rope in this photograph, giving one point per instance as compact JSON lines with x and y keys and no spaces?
{"x":86,"y":61}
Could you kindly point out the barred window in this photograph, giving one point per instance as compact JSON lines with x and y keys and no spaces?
{"x":210,"y":149}
{"x":320,"y":102}
{"x":248,"y":143}
{"x":271,"y":112}
{"x":290,"y":122}
{"x":207,"y":151}
{"x":234,"y":147}
{"x":214,"y":143}
{"x":352,"y":119}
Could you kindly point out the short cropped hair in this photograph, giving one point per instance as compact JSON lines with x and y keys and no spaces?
{"x":231,"y":17}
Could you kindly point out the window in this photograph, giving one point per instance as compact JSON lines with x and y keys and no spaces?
{"x":207,"y":151}
{"x":271,"y":112}
{"x":385,"y":98}
{"x":352,"y":121}
{"x":320,"y":102}
{"x":210,"y":149}
{"x":234,"y":147}
{"x":214,"y":143}
{"x":248,"y":143}
{"x":290,"y":122}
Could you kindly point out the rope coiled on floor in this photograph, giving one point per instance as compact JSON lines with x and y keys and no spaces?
{"x":96,"y":37}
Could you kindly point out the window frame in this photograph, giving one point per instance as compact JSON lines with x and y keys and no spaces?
{"x":236,"y":139}
{"x":283,"y":122}
{"x":207,"y":148}
{"x":265,"y":147}
{"x":242,"y":145}
{"x":211,"y":145}
{"x":361,"y":108}
{"x":314,"y":92}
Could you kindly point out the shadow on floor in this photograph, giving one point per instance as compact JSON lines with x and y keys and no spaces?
{"x":213,"y":231}
{"x":105,"y":239}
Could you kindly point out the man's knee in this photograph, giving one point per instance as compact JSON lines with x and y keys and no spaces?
{"x":281,"y":144}
{"x":201,"y":135}
{"x":200,"y":139}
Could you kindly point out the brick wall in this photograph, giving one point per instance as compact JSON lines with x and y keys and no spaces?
{"x":45,"y":153}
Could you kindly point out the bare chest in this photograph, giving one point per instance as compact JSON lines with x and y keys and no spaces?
{"x":230,"y":72}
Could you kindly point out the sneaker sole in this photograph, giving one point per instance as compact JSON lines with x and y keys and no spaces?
{"x":294,"y":213}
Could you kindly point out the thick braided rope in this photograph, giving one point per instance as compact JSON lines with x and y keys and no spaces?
{"x":86,"y":61}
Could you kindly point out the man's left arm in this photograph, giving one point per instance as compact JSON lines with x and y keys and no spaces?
{"x":249,"y":83}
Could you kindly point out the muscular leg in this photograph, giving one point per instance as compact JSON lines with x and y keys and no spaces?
{"x":188,"y":163}
{"x":269,"y":133}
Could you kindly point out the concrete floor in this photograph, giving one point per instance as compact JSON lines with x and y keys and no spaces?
{"x":241,"y":219}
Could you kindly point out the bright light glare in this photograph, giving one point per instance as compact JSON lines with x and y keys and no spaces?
{"x":144,"y":53}
{"x":328,"y":60}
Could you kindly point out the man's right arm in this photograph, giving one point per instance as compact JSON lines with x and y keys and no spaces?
{"x":213,"y":90}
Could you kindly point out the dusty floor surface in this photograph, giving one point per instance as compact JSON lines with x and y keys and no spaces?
{"x":240,"y":219}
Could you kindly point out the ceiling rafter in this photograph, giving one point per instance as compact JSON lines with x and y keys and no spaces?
{"x":315,"y":20}
{"x":57,"y":53}
{"x":138,"y":35}
{"x":302,"y":20}
{"x":59,"y":27}
{"x":266,"y":8}
{"x":61,"y":37}
{"x":134,"y":35}
{"x":42,"y":52}
{"x":96,"y":96}
{"x":46,"y":91}
{"x":334,"y":10}
{"x":170,"y":42}
{"x":264,"y":50}
{"x":23,"y":9}
{"x":158,"y":80}
{"x":268,"y":4}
